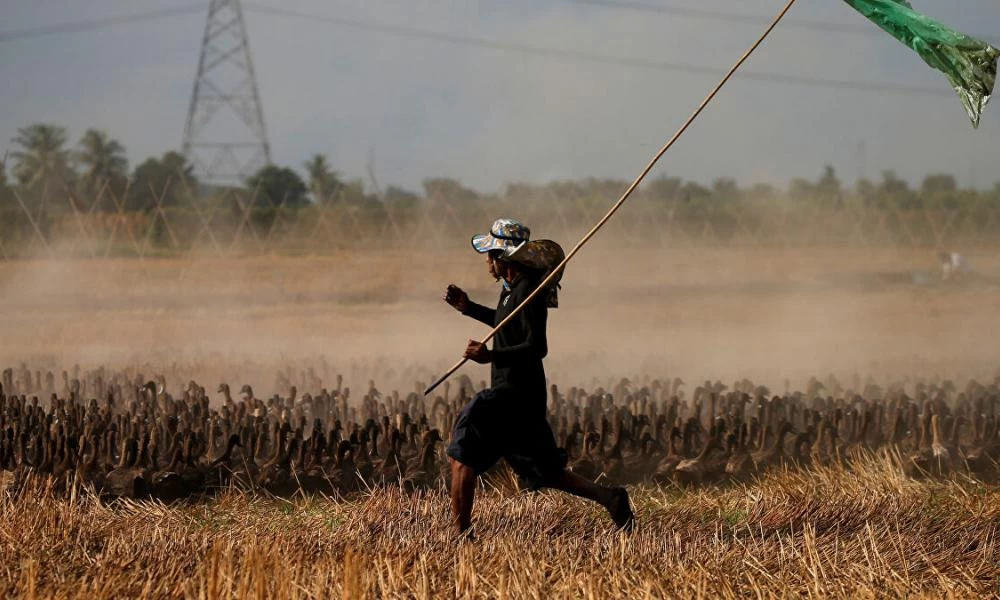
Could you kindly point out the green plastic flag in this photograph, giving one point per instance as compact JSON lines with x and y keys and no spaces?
{"x":969,"y":64}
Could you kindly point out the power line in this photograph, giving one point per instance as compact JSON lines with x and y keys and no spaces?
{"x":745,"y":19}
{"x":90,"y":25}
{"x":729,"y":17}
{"x":542,"y":51}
{"x":579,"y":56}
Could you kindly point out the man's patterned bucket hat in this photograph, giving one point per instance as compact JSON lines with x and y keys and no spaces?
{"x":505,"y":234}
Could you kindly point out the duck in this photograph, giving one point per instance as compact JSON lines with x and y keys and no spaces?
{"x":740,"y":465}
{"x":775,"y":454}
{"x":665,"y":468}
{"x":697,"y":470}
{"x":127,"y":479}
{"x":424,"y":470}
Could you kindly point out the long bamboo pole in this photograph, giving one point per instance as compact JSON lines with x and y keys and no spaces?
{"x":628,"y":192}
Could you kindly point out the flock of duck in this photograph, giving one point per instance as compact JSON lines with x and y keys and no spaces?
{"x":123,"y":436}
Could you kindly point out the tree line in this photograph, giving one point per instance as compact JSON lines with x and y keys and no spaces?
{"x":44,"y":170}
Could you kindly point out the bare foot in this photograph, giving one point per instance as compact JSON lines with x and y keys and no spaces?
{"x":621,"y":510}
{"x":465,"y":536}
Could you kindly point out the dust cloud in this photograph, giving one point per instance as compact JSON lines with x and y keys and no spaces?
{"x":770,"y":314}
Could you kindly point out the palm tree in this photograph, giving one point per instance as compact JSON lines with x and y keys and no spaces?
{"x":41,"y":156}
{"x":3,"y":171}
{"x":323,"y":181}
{"x":102,"y":160}
{"x":5,"y":194}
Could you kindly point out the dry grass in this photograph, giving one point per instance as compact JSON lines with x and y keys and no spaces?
{"x":868,"y":532}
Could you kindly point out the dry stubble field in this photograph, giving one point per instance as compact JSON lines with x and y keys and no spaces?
{"x":859,"y":534}
{"x":699,"y":313}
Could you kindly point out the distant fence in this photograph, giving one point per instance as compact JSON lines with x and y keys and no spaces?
{"x":239,"y":223}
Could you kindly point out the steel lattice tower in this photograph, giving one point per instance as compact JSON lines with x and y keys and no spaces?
{"x":225,"y":138}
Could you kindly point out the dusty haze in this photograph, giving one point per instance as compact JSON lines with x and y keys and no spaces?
{"x":697,"y":313}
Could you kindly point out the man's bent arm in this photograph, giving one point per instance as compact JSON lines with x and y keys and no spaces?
{"x":483,"y":314}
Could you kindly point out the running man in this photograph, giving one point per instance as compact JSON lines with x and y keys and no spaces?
{"x":508,"y":420}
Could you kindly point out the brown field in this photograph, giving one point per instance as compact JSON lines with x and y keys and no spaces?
{"x":699,"y":313}
{"x":864,"y":533}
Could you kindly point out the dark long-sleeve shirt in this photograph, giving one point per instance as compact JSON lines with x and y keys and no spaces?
{"x":520,"y":346}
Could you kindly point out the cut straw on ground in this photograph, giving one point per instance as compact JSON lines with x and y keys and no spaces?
{"x":864,"y":533}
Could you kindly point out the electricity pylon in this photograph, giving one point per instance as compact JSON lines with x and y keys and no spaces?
{"x":225,"y":139}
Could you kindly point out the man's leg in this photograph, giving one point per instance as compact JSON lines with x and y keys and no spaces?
{"x":615,"y":500}
{"x":573,"y":483}
{"x":463,"y":491}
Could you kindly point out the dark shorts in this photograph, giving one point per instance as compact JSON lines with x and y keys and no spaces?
{"x":500,"y":423}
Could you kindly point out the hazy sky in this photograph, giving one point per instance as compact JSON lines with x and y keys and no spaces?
{"x":488,"y":116}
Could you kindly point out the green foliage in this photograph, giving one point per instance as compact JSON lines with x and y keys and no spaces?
{"x":6,"y":194}
{"x":761,"y":192}
{"x":400,"y":199}
{"x":941,"y":191}
{"x":800,"y":189}
{"x":41,"y":156}
{"x":867,"y":191}
{"x":353,"y":193}
{"x":665,"y":188}
{"x":447,"y":189}
{"x":324,"y":182}
{"x":938,"y":184}
{"x":102,"y":163}
{"x":41,"y":173}
{"x":828,"y":186}
{"x":694,"y":192}
{"x":894,"y":191}
{"x":726,"y":189}
{"x":169,"y":176}
{"x":279,"y":184}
